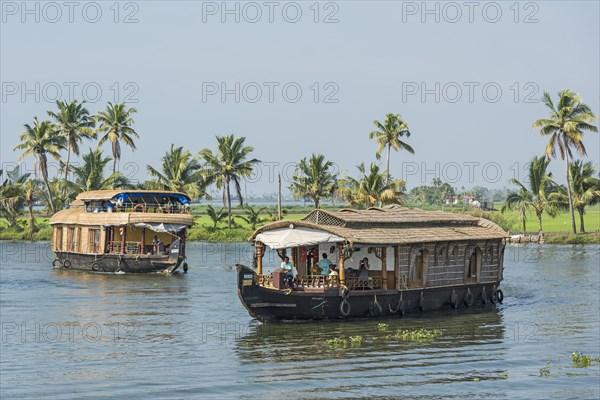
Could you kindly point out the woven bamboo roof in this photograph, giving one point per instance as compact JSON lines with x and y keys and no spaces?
{"x":394,"y":225}
{"x":109,"y":194}
{"x":78,"y":216}
{"x":388,"y":215}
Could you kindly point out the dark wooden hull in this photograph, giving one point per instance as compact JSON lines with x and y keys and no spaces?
{"x":118,"y":262}
{"x":267,"y":304}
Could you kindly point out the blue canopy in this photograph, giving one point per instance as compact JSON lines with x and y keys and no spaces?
{"x":183,"y":199}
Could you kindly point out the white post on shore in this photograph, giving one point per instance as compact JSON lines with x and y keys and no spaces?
{"x":279,"y":197}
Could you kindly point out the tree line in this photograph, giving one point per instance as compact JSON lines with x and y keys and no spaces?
{"x":315,"y":178}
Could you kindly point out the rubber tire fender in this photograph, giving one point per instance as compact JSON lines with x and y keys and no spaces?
{"x":401,"y":309}
{"x":345,"y":308}
{"x":499,"y":295}
{"x":96,"y":267}
{"x":67,"y":264}
{"x":57,"y":263}
{"x":454,"y":300}
{"x":468,"y":299}
{"x":375,"y":310}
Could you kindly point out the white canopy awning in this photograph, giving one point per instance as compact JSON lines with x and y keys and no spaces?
{"x":293,"y":237}
{"x":161,"y":227}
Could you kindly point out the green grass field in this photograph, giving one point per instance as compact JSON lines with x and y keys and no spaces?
{"x":561,"y":223}
{"x":202,"y":230}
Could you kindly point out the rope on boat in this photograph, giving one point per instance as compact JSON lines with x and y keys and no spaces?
{"x":319,"y":305}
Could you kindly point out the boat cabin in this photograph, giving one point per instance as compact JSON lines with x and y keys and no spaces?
{"x":126,"y":223}
{"x":382,"y":251}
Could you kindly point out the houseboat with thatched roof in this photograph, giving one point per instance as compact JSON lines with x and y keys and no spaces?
{"x":122,"y":230}
{"x":381,"y":261}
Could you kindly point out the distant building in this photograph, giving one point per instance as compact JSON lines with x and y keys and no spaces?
{"x":468,"y":200}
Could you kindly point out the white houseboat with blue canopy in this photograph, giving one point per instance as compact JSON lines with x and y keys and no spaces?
{"x":123,"y":230}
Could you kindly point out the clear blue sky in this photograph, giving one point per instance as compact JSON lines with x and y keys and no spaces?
{"x":377,"y":58}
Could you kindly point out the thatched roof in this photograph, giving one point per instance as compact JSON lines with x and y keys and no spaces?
{"x":393,"y":225}
{"x":109,"y":194}
{"x":78,"y":216}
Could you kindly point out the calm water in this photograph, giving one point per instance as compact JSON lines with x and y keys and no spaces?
{"x":70,"y":335}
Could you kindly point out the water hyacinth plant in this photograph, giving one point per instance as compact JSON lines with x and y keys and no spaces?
{"x":416,"y":335}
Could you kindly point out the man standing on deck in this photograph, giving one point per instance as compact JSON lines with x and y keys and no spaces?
{"x":324,"y":264}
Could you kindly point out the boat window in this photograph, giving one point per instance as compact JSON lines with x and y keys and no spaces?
{"x":454,"y":254}
{"x":94,"y":240}
{"x":58,"y":238}
{"x":473,"y":265}
{"x":77,"y":240}
{"x":418,"y":268}
{"x":441,"y":257}
{"x":71,"y":239}
{"x":490,"y":254}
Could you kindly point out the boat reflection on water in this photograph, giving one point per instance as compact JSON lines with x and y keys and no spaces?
{"x":306,"y":342}
{"x":144,"y":306}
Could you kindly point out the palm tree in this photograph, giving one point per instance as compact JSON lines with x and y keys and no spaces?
{"x":229,"y":164}
{"x":11,"y":195}
{"x":586,"y":188}
{"x":566,"y":125}
{"x":536,"y":196}
{"x":90,"y":175}
{"x":180,"y":172}
{"x":372,"y":188}
{"x":116,"y":123}
{"x":252,"y":216}
{"x":30,"y":192}
{"x":215,"y":216}
{"x":388,"y":135}
{"x":316,"y":179}
{"x":74,"y":124}
{"x":40,"y":140}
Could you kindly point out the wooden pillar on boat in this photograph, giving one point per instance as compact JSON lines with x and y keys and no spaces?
{"x":124,"y":228}
{"x":293,"y":257}
{"x":341,"y":273}
{"x":396,"y":267}
{"x":259,"y":257}
{"x":384,"y":268}
{"x":111,"y":238}
{"x":143,"y":242}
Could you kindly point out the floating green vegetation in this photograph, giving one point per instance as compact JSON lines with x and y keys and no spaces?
{"x":504,"y":375}
{"x":336,"y":342}
{"x":581,"y":360}
{"x":355,"y":340}
{"x":382,"y":326}
{"x":416,"y":335}
{"x":476,"y":379}
{"x":546,"y":370}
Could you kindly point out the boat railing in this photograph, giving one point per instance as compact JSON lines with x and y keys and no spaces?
{"x":317,"y":281}
{"x":264,"y":280}
{"x":152,"y":208}
{"x":371,"y":283}
{"x":130,"y":247}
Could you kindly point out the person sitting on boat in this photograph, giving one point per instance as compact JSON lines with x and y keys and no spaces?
{"x":288,"y":268}
{"x":333,"y":275}
{"x":363,"y":269}
{"x":157,"y":245}
{"x":110,"y":207}
{"x":324,"y":264}
{"x":101,"y":207}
